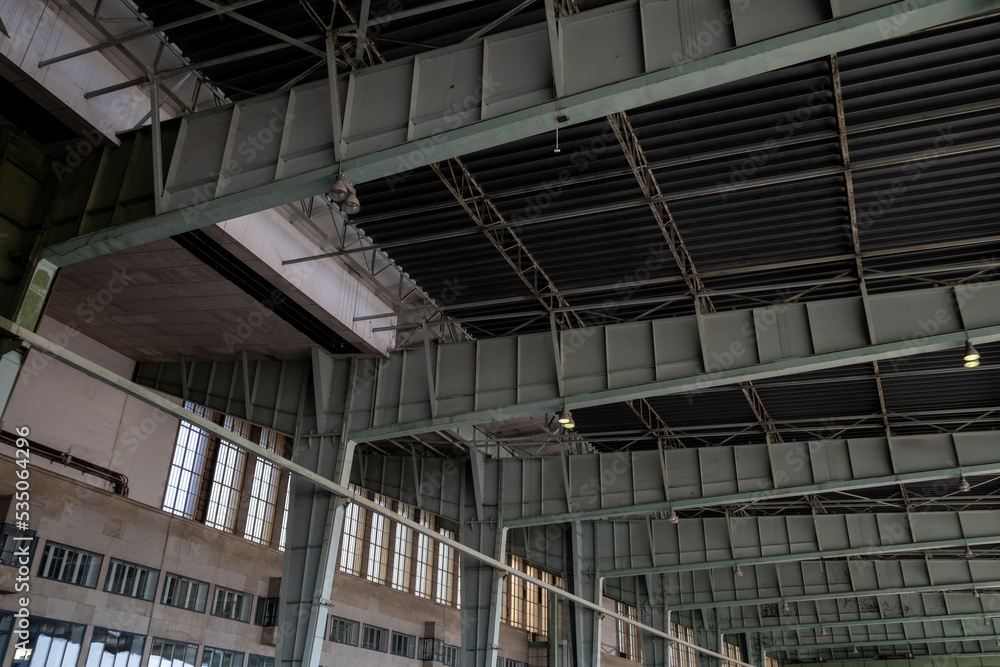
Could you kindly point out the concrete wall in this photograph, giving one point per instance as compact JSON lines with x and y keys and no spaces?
{"x":65,"y":408}
{"x":76,"y":514}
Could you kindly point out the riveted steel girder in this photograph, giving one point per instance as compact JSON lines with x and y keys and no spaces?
{"x":276,"y":149}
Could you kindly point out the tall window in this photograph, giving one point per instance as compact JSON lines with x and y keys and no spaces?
{"x":217,"y":657}
{"x":424,"y":566}
{"x":264,"y":494}
{"x":445,"y":571}
{"x":50,"y":644}
{"x":532,"y":597}
{"x":185,"y":593}
{"x":284,"y":517}
{"x":731,"y":651}
{"x":402,"y":550}
{"x":682,"y":656}
{"x":515,"y":587}
{"x":629,"y":645}
{"x":113,"y":648}
{"x":227,"y":479}
{"x":188,"y":465}
{"x":169,"y":653}
{"x":378,"y":543}
{"x":353,"y":538}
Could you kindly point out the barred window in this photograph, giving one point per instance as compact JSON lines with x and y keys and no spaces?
{"x":731,"y":651}
{"x":378,"y":543}
{"x":70,"y":565}
{"x":445,"y":571}
{"x":264,"y":493}
{"x":680,"y":655}
{"x":402,"y":551}
{"x":170,"y":653}
{"x":425,"y":558}
{"x":629,"y":645}
{"x":344,"y":631}
{"x":188,"y":466}
{"x":353,"y":538}
{"x":227,"y":479}
{"x":134,"y":581}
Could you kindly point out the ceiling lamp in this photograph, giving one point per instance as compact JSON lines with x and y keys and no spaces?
{"x":855,"y":651}
{"x":346,"y":195}
{"x":963,"y":485}
{"x":566,"y":418}
{"x":971,"y":355}
{"x":968,"y":552}
{"x":975,"y":593}
{"x":672,"y":517}
{"x":785,"y":608}
{"x":738,"y":571}
{"x":824,"y":632}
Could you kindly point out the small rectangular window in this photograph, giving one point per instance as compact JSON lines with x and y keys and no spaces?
{"x":425,"y":651}
{"x":114,"y":647}
{"x":267,"y":612}
{"x":169,"y":653}
{"x":403,"y":645}
{"x":217,"y":657}
{"x":185,"y":593}
{"x":232,"y":604}
{"x":17,"y":546}
{"x":70,"y":565}
{"x":255,"y":660}
{"x":134,"y":581}
{"x":374,"y":638}
{"x":450,"y":656}
{"x":344,"y":631}
{"x":514,"y":663}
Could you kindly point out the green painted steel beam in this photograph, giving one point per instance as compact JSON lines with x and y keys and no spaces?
{"x":691,"y":383}
{"x":813,"y":555}
{"x":888,"y":642}
{"x":445,"y":141}
{"x":811,"y":597}
{"x":977,"y":616}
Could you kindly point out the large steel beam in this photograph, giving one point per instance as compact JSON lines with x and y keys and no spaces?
{"x":810,"y":581}
{"x":279,"y":148}
{"x":505,"y":378}
{"x":552,"y":490}
{"x":636,"y":548}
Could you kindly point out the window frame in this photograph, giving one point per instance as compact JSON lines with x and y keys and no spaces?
{"x":166,"y":583}
{"x":155,"y":579}
{"x":246,"y":605}
{"x":411,"y":644}
{"x":382,"y":638}
{"x":92,"y":571}
{"x":353,"y":626}
{"x":172,"y":642}
{"x":223,"y":651}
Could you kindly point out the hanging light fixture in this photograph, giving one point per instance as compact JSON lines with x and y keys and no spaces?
{"x":971,"y":355}
{"x":963,"y":485}
{"x":855,"y":651}
{"x":824,"y":632}
{"x":344,"y":194}
{"x":340,"y":190}
{"x":975,"y":593}
{"x":672,"y":517}
{"x":738,"y":571}
{"x":785,"y":608}
{"x":968,"y":552}
{"x":986,"y":621}
{"x":566,"y":418}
